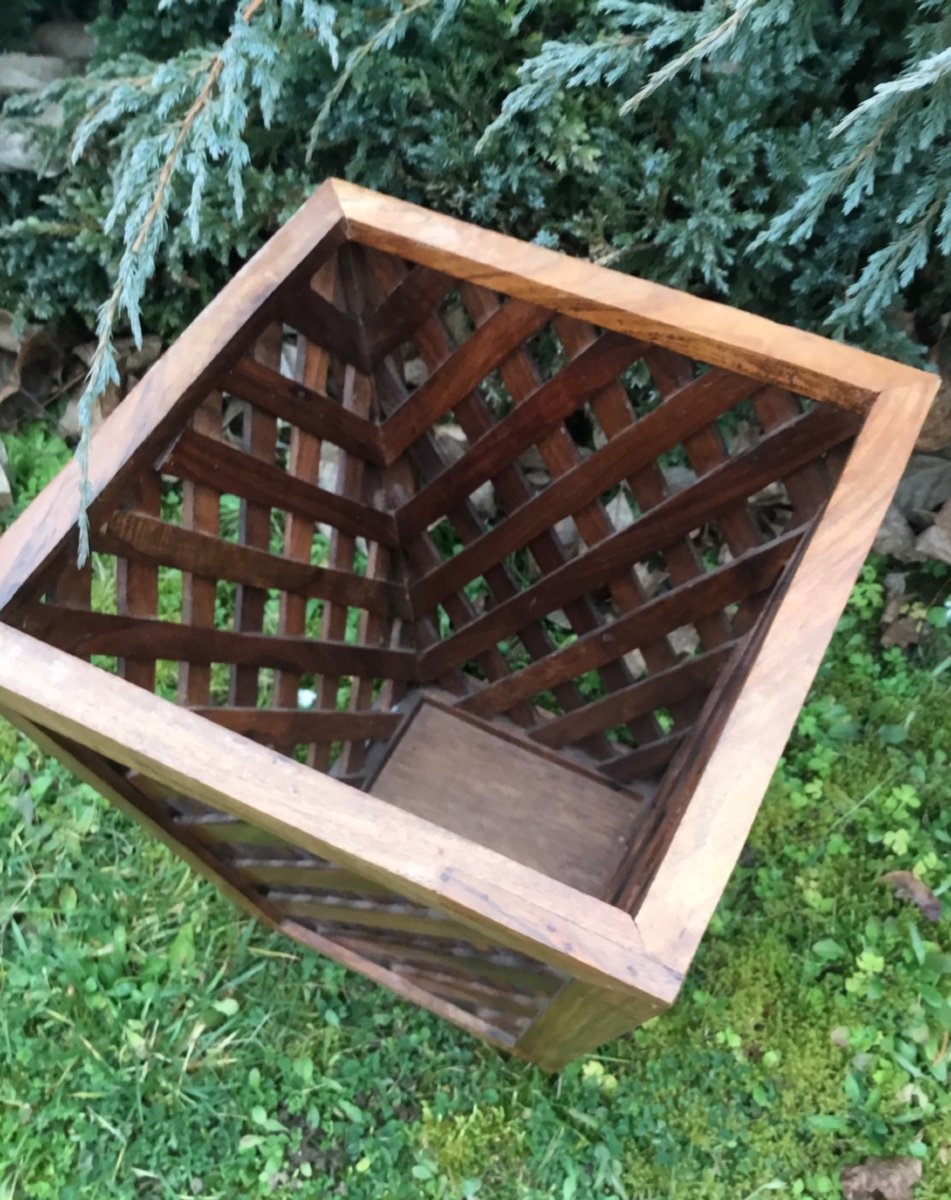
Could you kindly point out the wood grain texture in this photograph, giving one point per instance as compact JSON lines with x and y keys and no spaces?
{"x":512,"y":904}
{"x":702,"y":329}
{"x":726,"y":786}
{"x":309,"y":410}
{"x":197,"y":458}
{"x":153,"y":412}
{"x":520,"y":802}
{"x":141,"y":537}
{"x":550,"y":833}
{"x":86,"y":633}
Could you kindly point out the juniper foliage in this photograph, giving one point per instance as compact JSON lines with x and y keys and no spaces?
{"x":791,"y":156}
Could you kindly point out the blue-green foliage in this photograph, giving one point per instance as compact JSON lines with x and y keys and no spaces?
{"x":790,"y":156}
{"x":812,"y":131}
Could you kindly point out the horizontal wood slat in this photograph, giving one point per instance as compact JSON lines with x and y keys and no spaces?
{"x":198,"y":458}
{"x":285,"y":726}
{"x":153,"y":412}
{"x":341,"y":910}
{"x":139,"y":536}
{"x":104,"y":633}
{"x":311,"y":411}
{"x":499,"y":505}
{"x":299,"y":876}
{"x":494,"y":965}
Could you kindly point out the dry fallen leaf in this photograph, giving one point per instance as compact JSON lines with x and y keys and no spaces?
{"x":881,"y":1179}
{"x":907,"y":887}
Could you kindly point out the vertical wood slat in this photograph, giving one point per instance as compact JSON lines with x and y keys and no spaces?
{"x":373,"y":629}
{"x":356,"y":398}
{"x":201,"y":512}
{"x":137,"y":585}
{"x":259,"y":437}
{"x":312,"y":368}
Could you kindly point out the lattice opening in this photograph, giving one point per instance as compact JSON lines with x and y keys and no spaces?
{"x":407,"y":480}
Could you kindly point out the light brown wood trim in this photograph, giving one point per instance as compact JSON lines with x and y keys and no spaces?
{"x":578,"y":1019}
{"x":704,"y":329}
{"x":727,"y":794}
{"x":151,"y":414}
{"x":514,"y":905}
{"x":397,"y":983}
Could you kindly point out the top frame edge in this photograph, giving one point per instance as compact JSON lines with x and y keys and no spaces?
{"x":708,"y":330}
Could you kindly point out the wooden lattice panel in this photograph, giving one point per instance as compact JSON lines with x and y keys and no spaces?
{"x":609,"y":522}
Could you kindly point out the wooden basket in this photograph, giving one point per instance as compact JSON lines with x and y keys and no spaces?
{"x":465,"y":595}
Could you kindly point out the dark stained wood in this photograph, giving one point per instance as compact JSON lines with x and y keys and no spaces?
{"x":137,"y":589}
{"x":451,"y":382}
{"x":86,"y":633}
{"x":201,"y":505}
{"x":259,"y":443}
{"x":285,"y":726}
{"x":512,"y":491}
{"x":322,"y":323}
{"x":153,"y":413}
{"x":312,"y":369}
{"x":660,"y":690}
{"x":640,"y":445}
{"x":337,"y":949}
{"x":657,"y":528}
{"x":148,"y":539}
{"x":310,"y":410}
{"x":640,"y":787}
{"x":752,"y":573}
{"x":592,"y":370}
{"x":406,"y":306}
{"x":199,"y":458}
{"x":702,"y":329}
{"x":647,"y":760}
{"x":452,"y":772}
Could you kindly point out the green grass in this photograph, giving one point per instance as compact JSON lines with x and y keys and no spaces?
{"x":154,"y":1043}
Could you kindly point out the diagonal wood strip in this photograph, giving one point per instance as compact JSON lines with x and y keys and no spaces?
{"x":656,"y":691}
{"x":322,"y":323}
{"x":797,"y":442}
{"x":404,"y":309}
{"x":751,"y":573}
{"x":198,"y":458}
{"x":310,"y":410}
{"x":689,"y":409}
{"x":459,"y":374}
{"x":501,"y":445}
